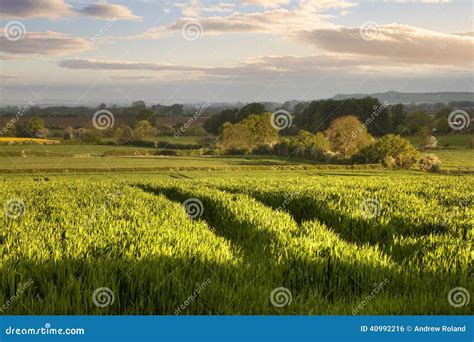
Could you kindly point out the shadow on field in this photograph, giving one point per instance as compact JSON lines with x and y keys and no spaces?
{"x":334,"y":277}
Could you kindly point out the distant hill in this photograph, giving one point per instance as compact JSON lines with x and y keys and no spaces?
{"x":408,"y":98}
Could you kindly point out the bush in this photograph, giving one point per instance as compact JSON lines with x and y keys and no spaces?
{"x":390,"y":150}
{"x":430,"y":163}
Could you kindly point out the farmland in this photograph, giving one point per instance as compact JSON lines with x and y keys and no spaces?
{"x":250,"y":242}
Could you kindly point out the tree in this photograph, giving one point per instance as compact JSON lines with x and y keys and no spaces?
{"x":139,"y":104}
{"x":416,"y":120}
{"x":251,"y":108}
{"x":33,"y":125}
{"x":235,"y":137}
{"x":390,"y":149}
{"x":68,"y":133}
{"x":317,"y":115}
{"x":426,"y":139}
{"x":143,"y":129}
{"x":347,"y":136}
{"x":148,"y":115}
{"x":261,"y":130}
{"x":213,"y":124}
{"x":398,"y":117}
{"x":9,"y":130}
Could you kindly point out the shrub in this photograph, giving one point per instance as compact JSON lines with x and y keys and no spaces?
{"x":430,"y":163}
{"x":402,"y":154}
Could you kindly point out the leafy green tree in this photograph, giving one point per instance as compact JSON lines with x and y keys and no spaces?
{"x":390,"y":150}
{"x":398,"y":117}
{"x":33,"y":125}
{"x":415,"y":120}
{"x":261,"y":130}
{"x":317,"y":116}
{"x":143,"y":129}
{"x":148,"y":115}
{"x":347,"y":135}
{"x":235,"y":137}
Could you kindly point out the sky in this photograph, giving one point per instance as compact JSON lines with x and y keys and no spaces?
{"x":88,"y":52}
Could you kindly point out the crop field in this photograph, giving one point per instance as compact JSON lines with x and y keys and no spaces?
{"x":241,"y":243}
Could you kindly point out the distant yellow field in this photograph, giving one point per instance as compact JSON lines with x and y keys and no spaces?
{"x":21,"y":141}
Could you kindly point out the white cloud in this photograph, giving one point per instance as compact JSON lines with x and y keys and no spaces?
{"x":43,"y":43}
{"x":396,"y":43}
{"x":309,"y":14}
{"x":57,"y":9}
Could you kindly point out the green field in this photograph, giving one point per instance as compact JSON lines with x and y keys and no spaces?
{"x":250,"y":243}
{"x":89,"y":158}
{"x":83,"y":232}
{"x":459,"y":140}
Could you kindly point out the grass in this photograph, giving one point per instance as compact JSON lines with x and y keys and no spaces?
{"x":459,"y":140}
{"x":256,"y":232}
{"x":454,"y":160}
{"x":95,"y":150}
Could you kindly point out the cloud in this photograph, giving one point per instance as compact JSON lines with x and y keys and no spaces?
{"x":307,"y":15}
{"x":77,"y":63}
{"x":43,"y":43}
{"x":264,"y":3}
{"x":52,"y":9}
{"x":259,"y":68}
{"x":109,"y":11}
{"x":57,"y":9}
{"x":396,"y":43}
